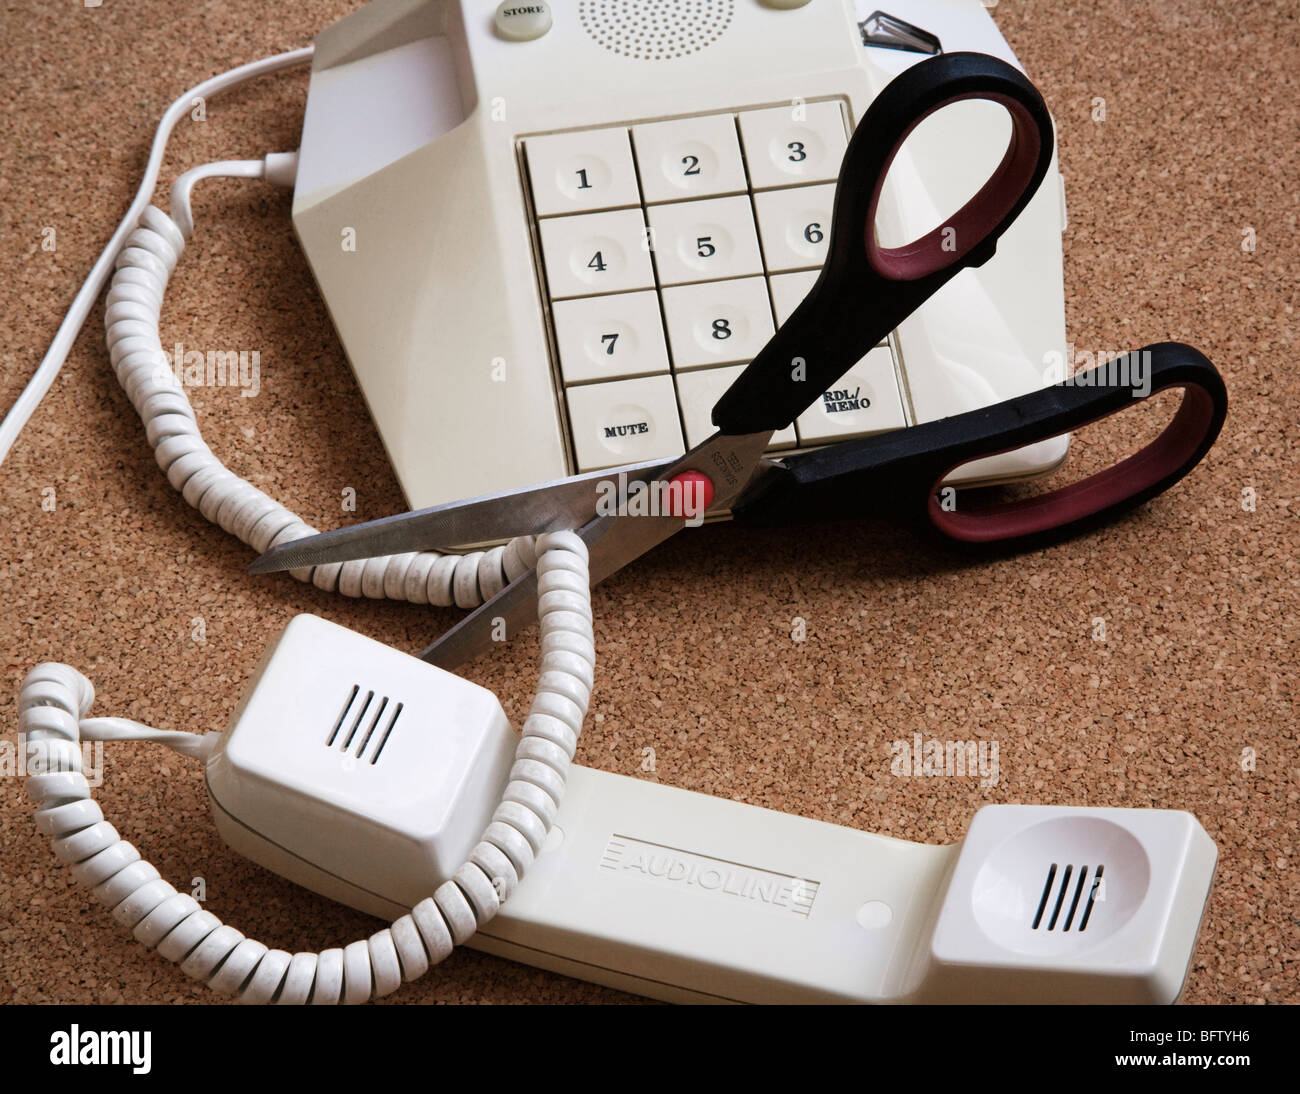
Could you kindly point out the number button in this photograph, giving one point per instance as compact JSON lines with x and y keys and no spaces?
{"x":577,"y":172}
{"x":607,"y":337}
{"x":864,"y":400}
{"x":789,"y":144}
{"x":695,"y":157}
{"x":788,"y":291}
{"x":596,"y":253}
{"x":718,"y":322}
{"x":795,"y":225}
{"x":628,"y":421}
{"x":701,"y":240}
{"x":699,"y":390}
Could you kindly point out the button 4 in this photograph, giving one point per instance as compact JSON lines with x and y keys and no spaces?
{"x":628,"y":421}
{"x":596,"y":253}
{"x":577,"y":172}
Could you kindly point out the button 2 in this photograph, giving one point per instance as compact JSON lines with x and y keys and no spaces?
{"x":694,"y":157}
{"x":628,"y":421}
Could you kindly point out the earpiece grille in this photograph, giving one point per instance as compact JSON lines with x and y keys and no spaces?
{"x":364,"y":725}
{"x":1065,"y":905}
{"x":656,"y":30}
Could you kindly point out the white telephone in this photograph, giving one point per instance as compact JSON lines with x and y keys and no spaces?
{"x":531,"y":229}
{"x":551,"y":236}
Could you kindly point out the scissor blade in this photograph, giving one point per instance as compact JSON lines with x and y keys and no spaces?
{"x":528,"y":510}
{"x":612,"y":542}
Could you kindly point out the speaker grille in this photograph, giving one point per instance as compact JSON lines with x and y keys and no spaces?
{"x":656,"y":30}
{"x":1064,"y":902}
{"x":362,"y":723}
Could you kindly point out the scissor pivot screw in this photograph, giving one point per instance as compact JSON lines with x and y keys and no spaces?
{"x":688,"y":494}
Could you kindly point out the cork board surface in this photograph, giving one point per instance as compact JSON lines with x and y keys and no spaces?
{"x":1199,"y":593}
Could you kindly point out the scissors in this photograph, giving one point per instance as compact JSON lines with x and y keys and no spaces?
{"x":865,"y":290}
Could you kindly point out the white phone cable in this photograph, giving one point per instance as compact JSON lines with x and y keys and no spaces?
{"x":144,"y":250}
{"x":53,"y":704}
{"x":75,"y":319}
{"x":55,"y":698}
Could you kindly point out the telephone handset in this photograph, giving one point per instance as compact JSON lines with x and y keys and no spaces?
{"x":550,"y":238}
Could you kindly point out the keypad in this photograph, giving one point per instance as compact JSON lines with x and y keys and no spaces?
{"x":672,"y":250}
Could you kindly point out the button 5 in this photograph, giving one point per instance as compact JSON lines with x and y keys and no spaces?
{"x":795,"y":225}
{"x":596,"y":253}
{"x":607,"y":337}
{"x":717,"y":322}
{"x":864,"y":400}
{"x":788,"y":144}
{"x":703,"y":240}
{"x":628,"y":421}
{"x":693,"y":157}
{"x":576,"y":172}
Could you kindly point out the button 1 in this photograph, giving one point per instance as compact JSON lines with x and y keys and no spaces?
{"x":608,"y":337}
{"x":596,"y":253}
{"x":694,"y":157}
{"x":795,"y":225}
{"x":522,"y":22}
{"x":701,"y":240}
{"x":576,"y":172}
{"x":788,"y":291}
{"x":717,"y":322}
{"x":627,"y":421}
{"x":700,"y":390}
{"x":789,"y":144}
{"x":864,"y":400}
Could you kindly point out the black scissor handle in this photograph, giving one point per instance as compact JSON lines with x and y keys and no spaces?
{"x":865,"y":290}
{"x":902,"y":472}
